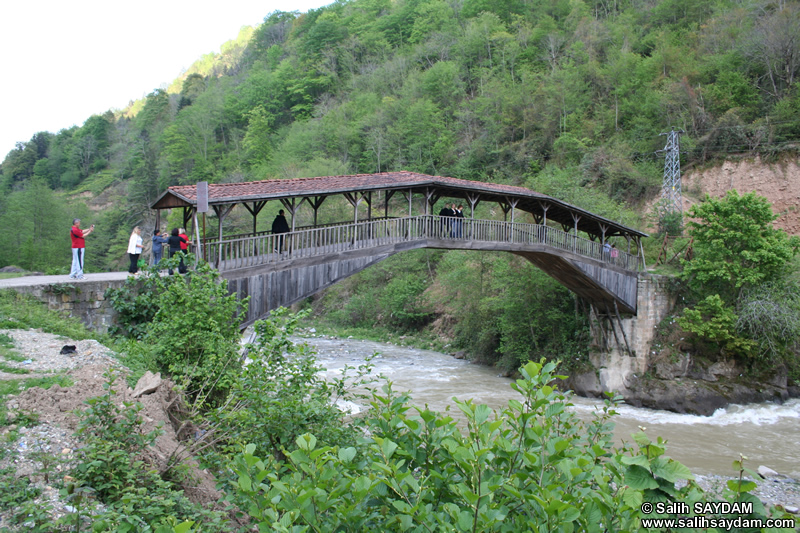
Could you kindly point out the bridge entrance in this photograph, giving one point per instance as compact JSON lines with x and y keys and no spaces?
{"x":596,"y":258}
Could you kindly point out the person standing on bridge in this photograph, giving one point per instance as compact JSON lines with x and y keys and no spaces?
{"x":176,"y":242}
{"x":280,"y":226}
{"x":158,"y":246}
{"x":458,"y":228}
{"x":185,"y":242}
{"x":78,"y":248}
{"x":444,"y":222}
{"x":135,"y":246}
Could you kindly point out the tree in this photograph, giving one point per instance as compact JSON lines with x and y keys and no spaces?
{"x":37,"y":236}
{"x":735,"y":245}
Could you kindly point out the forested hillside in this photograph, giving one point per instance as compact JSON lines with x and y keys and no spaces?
{"x":567,"y":97}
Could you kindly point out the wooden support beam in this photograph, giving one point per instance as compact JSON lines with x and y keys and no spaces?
{"x":512,"y":203}
{"x":255,"y":210}
{"x":622,"y":330}
{"x":222,"y":212}
{"x":473,"y":200}
{"x":545,"y":206}
{"x":292,"y":207}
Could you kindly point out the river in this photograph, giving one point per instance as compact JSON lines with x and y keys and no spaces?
{"x":767,"y":434}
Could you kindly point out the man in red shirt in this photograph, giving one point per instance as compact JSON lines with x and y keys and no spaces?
{"x":78,"y":248}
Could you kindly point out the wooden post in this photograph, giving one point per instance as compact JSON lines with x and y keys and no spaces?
{"x":221,"y":214}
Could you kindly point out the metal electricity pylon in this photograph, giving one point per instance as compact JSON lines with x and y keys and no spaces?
{"x":671,"y":189}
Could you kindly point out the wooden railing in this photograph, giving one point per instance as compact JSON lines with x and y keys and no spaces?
{"x":209,"y":239}
{"x":252,"y":251}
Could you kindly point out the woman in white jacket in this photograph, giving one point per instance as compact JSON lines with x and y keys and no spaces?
{"x":135,"y":249}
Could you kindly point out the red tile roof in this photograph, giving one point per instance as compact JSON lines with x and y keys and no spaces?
{"x":278,"y":188}
{"x":527,"y":200}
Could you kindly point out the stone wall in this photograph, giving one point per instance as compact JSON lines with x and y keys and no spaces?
{"x":84,"y":300}
{"x":618,"y":357}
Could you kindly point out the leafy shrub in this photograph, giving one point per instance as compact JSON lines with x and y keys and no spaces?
{"x":735,"y":245}
{"x":712,"y":320}
{"x":111,"y":467}
{"x":115,"y":442}
{"x":188,"y":325}
{"x":534,"y":467}
{"x":136,"y":302}
{"x":281,"y":394}
{"x":195,"y":332}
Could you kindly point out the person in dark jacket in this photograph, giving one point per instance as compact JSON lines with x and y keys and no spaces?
{"x":445,"y":219}
{"x":175,"y":241}
{"x":279,"y":226}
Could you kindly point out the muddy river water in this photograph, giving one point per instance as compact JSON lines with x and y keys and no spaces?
{"x":767,"y":434}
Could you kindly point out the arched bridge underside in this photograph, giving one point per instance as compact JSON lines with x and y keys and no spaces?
{"x":571,"y":244}
{"x":313,"y":260}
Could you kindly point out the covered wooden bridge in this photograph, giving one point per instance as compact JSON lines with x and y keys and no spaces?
{"x":394,"y":212}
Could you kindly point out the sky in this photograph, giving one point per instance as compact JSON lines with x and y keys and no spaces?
{"x":67,"y":60}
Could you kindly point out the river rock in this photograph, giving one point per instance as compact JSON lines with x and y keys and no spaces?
{"x":586,"y":384}
{"x":766,"y":472}
{"x":147,"y":384}
{"x":674,"y":369}
{"x":461,"y":354}
{"x":726,"y":369}
{"x":699,"y":397}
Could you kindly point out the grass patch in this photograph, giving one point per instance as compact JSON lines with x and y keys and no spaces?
{"x":96,"y":183}
{"x":6,"y":341}
{"x":9,"y":275}
{"x":12,"y":356}
{"x":15,"y":386}
{"x":12,"y":369}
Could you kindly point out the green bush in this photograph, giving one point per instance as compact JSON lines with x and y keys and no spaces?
{"x":111,"y":461}
{"x":188,"y":326}
{"x":111,"y":467}
{"x":533,"y":467}
{"x":713,"y":321}
{"x":281,"y":394}
{"x":735,"y":245}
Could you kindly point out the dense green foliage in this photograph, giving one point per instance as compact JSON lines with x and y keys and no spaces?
{"x":532,"y":467}
{"x":187,"y":325}
{"x":742,"y":266}
{"x":280,"y":394}
{"x":735,"y":245}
